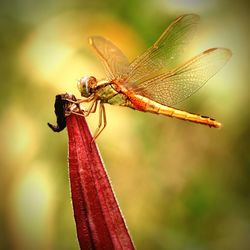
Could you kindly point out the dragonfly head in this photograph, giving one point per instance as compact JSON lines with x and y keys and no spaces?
{"x":86,"y":85}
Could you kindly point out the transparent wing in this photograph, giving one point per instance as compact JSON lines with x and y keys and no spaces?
{"x":115,"y":62}
{"x":164,"y":53}
{"x":175,"y":86}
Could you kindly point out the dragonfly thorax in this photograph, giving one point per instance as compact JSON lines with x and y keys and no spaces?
{"x":86,"y":85}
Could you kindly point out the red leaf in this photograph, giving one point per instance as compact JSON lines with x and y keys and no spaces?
{"x":99,"y":221}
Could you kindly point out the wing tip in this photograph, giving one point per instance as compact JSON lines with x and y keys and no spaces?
{"x":193,"y":16}
{"x":96,"y":39}
{"x":227,"y":52}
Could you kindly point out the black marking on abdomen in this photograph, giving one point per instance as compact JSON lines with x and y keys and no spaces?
{"x":204,"y":116}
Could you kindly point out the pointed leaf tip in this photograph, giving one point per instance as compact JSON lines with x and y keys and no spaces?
{"x":99,"y":222}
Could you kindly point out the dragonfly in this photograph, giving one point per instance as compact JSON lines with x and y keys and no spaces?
{"x":152,"y":82}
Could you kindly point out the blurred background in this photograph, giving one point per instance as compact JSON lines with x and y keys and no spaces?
{"x":180,"y":185}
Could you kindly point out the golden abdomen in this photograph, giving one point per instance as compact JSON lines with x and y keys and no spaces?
{"x":144,"y":104}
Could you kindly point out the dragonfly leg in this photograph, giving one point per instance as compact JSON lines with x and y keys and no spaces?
{"x":79,"y":101}
{"x":102,"y":121}
{"x":91,"y":108}
{"x":76,"y":113}
{"x":75,"y":109}
{"x":89,"y":99}
{"x":78,"y":110}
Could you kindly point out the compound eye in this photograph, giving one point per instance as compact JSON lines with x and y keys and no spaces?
{"x":83,"y":86}
{"x":92,"y":82}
